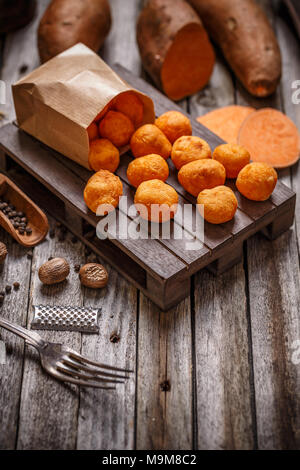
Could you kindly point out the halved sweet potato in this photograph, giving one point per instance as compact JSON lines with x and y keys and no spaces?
{"x":174,"y":47}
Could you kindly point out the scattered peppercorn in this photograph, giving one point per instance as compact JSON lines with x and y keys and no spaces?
{"x":77,"y":268}
{"x":114,"y":338}
{"x":8,"y":289}
{"x":17,"y":218}
{"x":16,"y":285}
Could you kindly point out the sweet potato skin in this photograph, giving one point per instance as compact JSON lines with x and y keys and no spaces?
{"x":157,"y":26}
{"x":247,"y":40}
{"x":67,"y":22}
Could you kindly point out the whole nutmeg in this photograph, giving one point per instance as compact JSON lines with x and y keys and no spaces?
{"x":54,"y":271}
{"x":3,"y":252}
{"x":93,"y":275}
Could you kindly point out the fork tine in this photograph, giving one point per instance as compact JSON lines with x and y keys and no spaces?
{"x":79,"y":365}
{"x":75,"y":373}
{"x":97,"y":364}
{"x":66,"y":378}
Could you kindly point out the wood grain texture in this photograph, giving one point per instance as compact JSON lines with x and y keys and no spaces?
{"x":48,"y":410}
{"x":164,"y":418}
{"x":224,"y":411}
{"x":106,"y":419}
{"x":273,"y":276}
{"x":14,"y":308}
{"x":274,"y":306}
{"x":18,"y":57}
{"x":223,"y":371}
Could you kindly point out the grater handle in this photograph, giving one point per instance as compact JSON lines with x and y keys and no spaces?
{"x":31,"y":337}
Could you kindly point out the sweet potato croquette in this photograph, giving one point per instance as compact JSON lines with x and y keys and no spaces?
{"x":174,"y":125}
{"x":201,"y":174}
{"x":156,"y":201}
{"x":150,"y":139}
{"x":257,"y":181}
{"x":92,"y":131}
{"x":187,"y":149}
{"x":117,"y":128}
{"x":233,"y":158}
{"x":130,"y":105}
{"x":103,"y":188}
{"x":103,"y":155}
{"x":217,"y":205}
{"x":147,"y":168}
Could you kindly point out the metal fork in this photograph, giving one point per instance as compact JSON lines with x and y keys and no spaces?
{"x":67,"y":365}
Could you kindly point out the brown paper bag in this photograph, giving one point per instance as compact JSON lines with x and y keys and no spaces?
{"x":59,"y":100}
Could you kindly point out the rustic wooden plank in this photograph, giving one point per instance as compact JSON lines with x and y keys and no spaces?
{"x":224,"y":412}
{"x":43,"y":399}
{"x":273,"y":273}
{"x":18,"y":57}
{"x":290,"y":49}
{"x":106,"y":419}
{"x":223,"y":389}
{"x":15,"y":269}
{"x":164,"y":401}
{"x":274,"y":277}
{"x":121,"y":45}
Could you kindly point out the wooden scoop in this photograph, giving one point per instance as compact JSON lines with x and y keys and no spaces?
{"x":37,"y":220}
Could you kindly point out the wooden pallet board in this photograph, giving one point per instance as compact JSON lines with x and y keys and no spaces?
{"x":160,"y":268}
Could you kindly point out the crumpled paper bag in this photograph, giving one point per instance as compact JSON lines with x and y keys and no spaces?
{"x":58,"y":101}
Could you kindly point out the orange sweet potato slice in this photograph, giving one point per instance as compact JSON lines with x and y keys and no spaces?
{"x":226,"y":122}
{"x":174,"y":47}
{"x":270,"y":137}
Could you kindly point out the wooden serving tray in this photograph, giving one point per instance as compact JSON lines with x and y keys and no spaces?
{"x":161,"y":268}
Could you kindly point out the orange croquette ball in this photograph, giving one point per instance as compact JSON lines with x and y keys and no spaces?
{"x":174,"y":125}
{"x":233,"y":157}
{"x":117,"y":128}
{"x":129,"y":104}
{"x":103,"y":188}
{"x":201,"y":174}
{"x":103,"y":155}
{"x":187,"y":149}
{"x":150,"y":139}
{"x":92,"y":131}
{"x":257,"y":181}
{"x":156,"y":201}
{"x":147,"y":168}
{"x":217,"y":205}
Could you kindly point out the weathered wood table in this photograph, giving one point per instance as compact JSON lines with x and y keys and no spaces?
{"x":220,"y":371}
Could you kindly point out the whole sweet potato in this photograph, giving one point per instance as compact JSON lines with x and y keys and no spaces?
{"x":67,"y":22}
{"x":174,"y":47}
{"x":247,"y":40}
